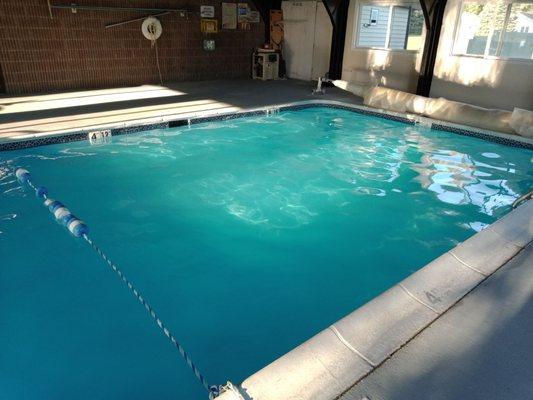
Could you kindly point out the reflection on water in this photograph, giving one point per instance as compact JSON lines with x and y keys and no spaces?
{"x":285,"y":170}
{"x":337,"y":164}
{"x":458,"y":178}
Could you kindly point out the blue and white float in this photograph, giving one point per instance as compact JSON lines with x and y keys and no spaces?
{"x":61,"y":213}
{"x":22,"y":175}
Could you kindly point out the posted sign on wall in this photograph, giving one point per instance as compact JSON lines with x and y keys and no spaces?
{"x":229,"y":16}
{"x":207,"y":11}
{"x":242,"y":12}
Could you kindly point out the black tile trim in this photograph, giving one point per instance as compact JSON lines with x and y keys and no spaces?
{"x":480,"y":135}
{"x":24,"y":144}
{"x":78,"y":136}
{"x":75,"y":137}
{"x":226,"y":117}
{"x":138,"y":128}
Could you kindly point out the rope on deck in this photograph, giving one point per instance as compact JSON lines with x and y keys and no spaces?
{"x":79,"y":229}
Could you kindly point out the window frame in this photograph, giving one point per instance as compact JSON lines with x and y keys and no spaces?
{"x":391,"y":4}
{"x":506,"y":20}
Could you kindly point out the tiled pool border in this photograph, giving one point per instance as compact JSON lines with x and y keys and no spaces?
{"x":207,"y":116}
{"x":336,"y":359}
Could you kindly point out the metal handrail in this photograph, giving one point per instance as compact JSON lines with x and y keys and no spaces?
{"x":523,"y":198}
{"x":108,"y":8}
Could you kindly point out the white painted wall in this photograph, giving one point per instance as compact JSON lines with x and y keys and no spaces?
{"x":307,"y":39}
{"x":492,"y":83}
{"x":396,"y":69}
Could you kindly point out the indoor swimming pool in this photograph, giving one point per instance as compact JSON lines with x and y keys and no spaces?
{"x":248,"y":236}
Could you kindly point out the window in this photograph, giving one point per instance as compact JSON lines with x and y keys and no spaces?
{"x":495,"y":29}
{"x":384,"y":26}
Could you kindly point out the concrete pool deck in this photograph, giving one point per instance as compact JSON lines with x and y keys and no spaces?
{"x":481,"y":349}
{"x":24,"y":117}
{"x":459,"y":328}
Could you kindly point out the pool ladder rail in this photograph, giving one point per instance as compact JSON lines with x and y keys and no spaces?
{"x":523,"y":199}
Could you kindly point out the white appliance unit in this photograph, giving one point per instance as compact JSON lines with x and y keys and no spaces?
{"x":265,"y":64}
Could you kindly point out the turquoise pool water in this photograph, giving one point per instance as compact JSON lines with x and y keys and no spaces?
{"x":247,"y":236}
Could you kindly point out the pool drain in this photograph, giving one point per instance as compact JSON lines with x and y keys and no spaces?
{"x":79,"y":229}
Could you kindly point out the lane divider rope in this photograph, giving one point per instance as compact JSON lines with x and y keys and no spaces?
{"x":79,"y":229}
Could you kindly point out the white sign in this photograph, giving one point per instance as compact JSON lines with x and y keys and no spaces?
{"x":99,"y":137}
{"x":207,"y":11}
{"x":242,"y":12}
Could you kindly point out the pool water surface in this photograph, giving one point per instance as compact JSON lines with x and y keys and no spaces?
{"x":247,"y":236}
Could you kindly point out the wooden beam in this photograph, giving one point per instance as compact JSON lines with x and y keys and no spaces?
{"x":433,"y":11}
{"x":338,"y":14}
{"x":264,"y":7}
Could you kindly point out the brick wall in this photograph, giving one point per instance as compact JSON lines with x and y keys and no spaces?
{"x":76,"y":51}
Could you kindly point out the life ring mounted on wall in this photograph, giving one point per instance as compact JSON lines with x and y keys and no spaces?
{"x":151,"y":29}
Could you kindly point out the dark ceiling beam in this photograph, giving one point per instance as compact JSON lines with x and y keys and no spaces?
{"x":2,"y":81}
{"x":433,"y":11}
{"x":338,"y":14}
{"x":264,"y":7}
